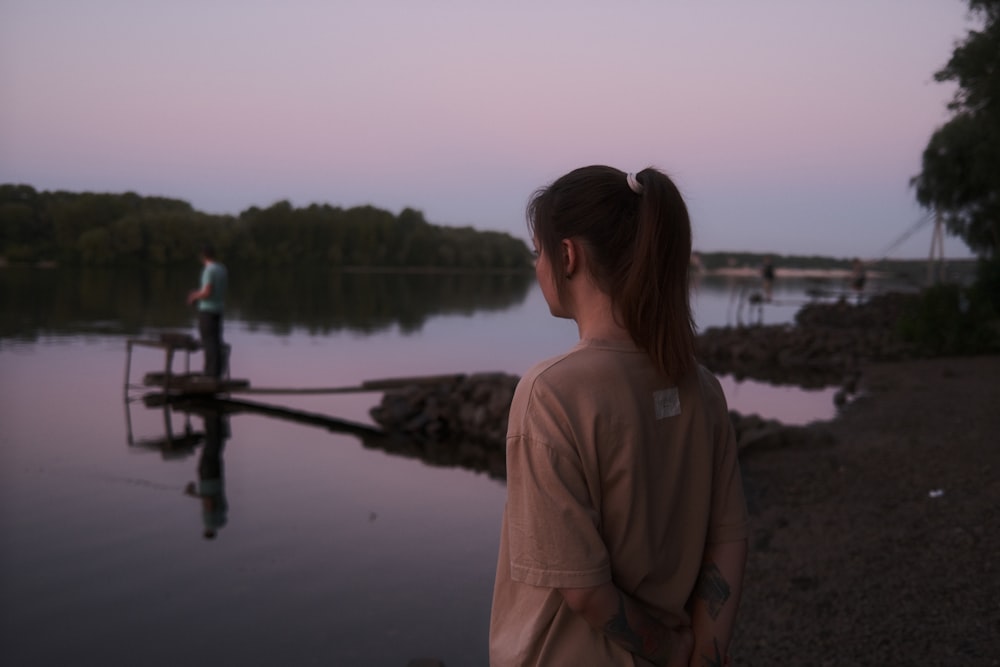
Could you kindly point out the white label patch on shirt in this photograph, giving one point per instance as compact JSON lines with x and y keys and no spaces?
{"x":667,"y":403}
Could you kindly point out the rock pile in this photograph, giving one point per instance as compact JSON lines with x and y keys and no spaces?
{"x":824,"y":348}
{"x":462,"y":420}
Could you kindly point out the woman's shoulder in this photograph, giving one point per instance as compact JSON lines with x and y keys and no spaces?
{"x":548,"y":370}
{"x":583,"y":361}
{"x":554,"y":378}
{"x":709,"y":387}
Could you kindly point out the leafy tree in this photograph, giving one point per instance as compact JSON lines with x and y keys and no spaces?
{"x":16,"y":232}
{"x":130,"y":230}
{"x":960,"y":174}
{"x":94,"y":246}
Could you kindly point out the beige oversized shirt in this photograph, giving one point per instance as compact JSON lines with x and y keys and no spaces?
{"x":614,"y":472}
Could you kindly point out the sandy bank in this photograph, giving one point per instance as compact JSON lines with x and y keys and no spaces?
{"x":788,"y":273}
{"x":879,"y":545}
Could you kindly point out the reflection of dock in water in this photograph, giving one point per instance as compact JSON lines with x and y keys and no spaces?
{"x":199,"y":403}
{"x":451,"y":450}
{"x":195,"y":394}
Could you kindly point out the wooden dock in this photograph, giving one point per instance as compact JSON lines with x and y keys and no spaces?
{"x":188,"y":383}
{"x":167,"y":380}
{"x":195,"y":392}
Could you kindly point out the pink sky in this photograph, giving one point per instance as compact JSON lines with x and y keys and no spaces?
{"x":792,"y":126}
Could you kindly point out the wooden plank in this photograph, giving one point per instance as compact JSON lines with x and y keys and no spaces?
{"x":394,"y":383}
{"x":193,"y":383}
{"x":368,"y":385}
{"x":168,"y":341}
{"x":276,"y":391}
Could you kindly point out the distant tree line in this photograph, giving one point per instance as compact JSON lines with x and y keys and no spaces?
{"x":100,"y":229}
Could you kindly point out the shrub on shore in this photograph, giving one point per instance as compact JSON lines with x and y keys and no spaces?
{"x":950,"y":319}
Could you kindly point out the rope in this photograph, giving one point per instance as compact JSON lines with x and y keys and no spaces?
{"x":927,"y":217}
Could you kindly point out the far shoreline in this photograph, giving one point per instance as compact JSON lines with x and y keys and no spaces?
{"x":787,"y":272}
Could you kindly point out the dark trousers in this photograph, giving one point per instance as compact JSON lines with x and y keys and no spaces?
{"x":210,"y":328}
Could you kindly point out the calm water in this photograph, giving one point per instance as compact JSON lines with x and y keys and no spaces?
{"x":330,"y":553}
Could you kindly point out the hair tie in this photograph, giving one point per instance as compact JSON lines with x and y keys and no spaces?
{"x":633,"y":183}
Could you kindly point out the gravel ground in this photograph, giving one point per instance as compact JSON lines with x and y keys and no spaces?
{"x":880,"y":545}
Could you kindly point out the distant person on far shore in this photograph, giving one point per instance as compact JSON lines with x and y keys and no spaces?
{"x":767,"y":277}
{"x":211,"y":298}
{"x":858,"y":277}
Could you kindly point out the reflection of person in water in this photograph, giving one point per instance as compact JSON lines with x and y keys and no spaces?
{"x":210,"y":487}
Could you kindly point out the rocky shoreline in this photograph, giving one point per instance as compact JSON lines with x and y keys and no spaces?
{"x":462,"y":420}
{"x":463,"y":423}
{"x":874,"y":537}
{"x":877,"y":543}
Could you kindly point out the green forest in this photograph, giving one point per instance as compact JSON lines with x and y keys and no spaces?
{"x":103,"y":229}
{"x":131,"y":230}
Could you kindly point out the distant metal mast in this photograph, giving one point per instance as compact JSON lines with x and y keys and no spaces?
{"x":935,"y":262}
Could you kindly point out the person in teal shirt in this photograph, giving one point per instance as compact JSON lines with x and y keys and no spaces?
{"x":211,"y":299}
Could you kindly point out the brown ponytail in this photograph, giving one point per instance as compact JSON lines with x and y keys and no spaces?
{"x":639,"y":245}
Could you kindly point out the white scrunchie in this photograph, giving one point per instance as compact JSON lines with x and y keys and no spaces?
{"x":633,"y":183}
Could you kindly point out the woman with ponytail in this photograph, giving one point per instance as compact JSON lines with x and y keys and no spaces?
{"x":624,"y":534}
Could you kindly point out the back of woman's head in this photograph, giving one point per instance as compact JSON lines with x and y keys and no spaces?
{"x":637,"y":235}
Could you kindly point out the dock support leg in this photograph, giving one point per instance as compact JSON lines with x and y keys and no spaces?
{"x":128,"y":367}
{"x":168,"y":370}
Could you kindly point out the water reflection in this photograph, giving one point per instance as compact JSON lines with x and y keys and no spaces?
{"x":739,"y":301}
{"x":445,"y":451}
{"x":173,"y":444}
{"x":210,"y":487}
{"x":67,"y":301}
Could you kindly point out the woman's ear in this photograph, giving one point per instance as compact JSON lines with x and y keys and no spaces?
{"x":570,"y":257}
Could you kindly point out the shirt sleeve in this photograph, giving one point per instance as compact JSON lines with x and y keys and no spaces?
{"x":553,"y":526}
{"x":729,"y":511}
